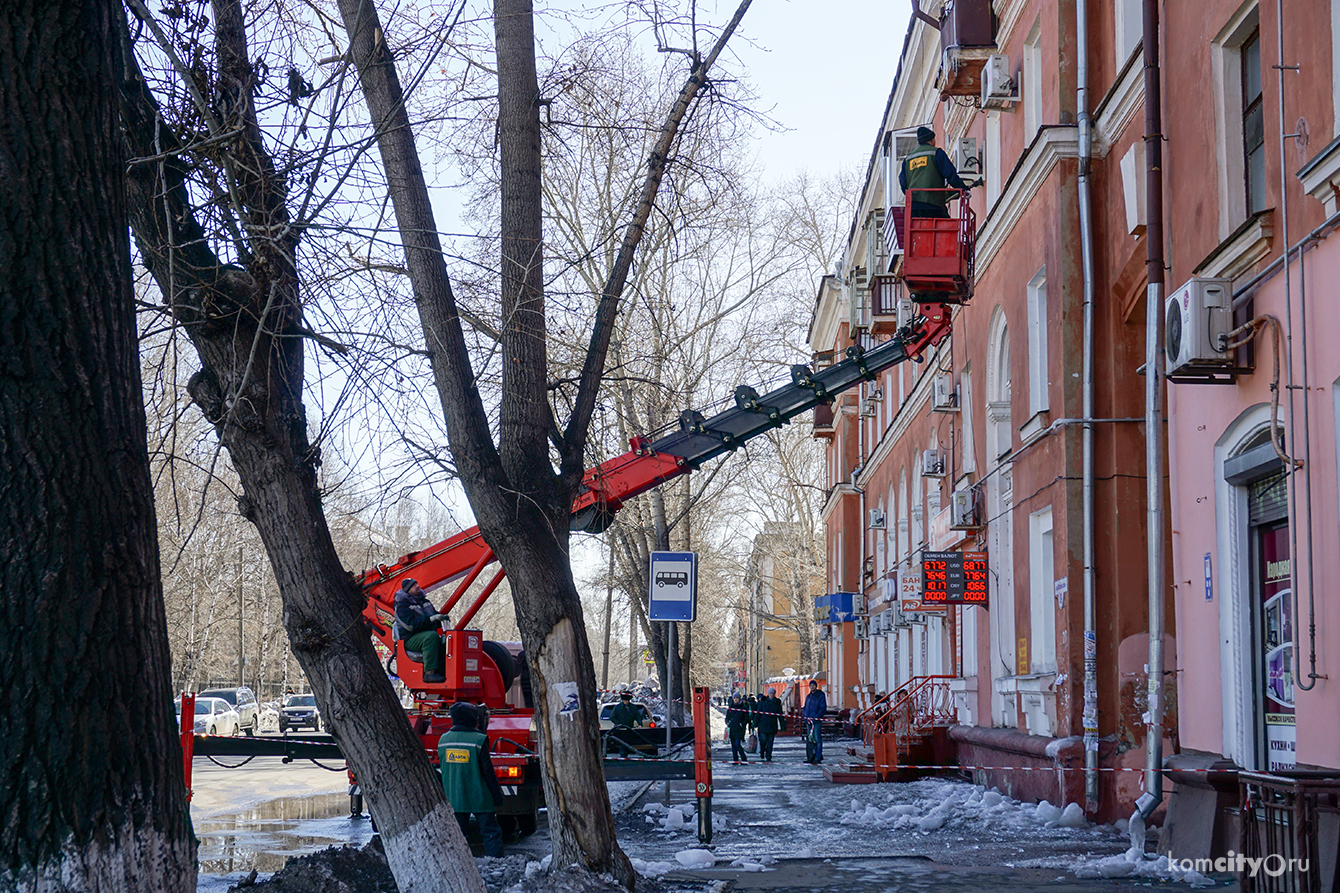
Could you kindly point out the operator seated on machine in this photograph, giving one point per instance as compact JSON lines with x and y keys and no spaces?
{"x":419,"y":621}
{"x":926,"y":169}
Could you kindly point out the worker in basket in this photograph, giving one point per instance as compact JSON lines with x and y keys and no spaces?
{"x":926,"y":170}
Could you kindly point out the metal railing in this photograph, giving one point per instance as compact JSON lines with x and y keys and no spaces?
{"x":919,"y":704}
{"x":1283,"y":820}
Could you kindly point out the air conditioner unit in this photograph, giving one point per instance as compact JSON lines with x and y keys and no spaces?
{"x":932,"y":464}
{"x":907,"y":311}
{"x":963,"y":510}
{"x":869,"y":407}
{"x":966,"y":159}
{"x":943,"y":398}
{"x":876,"y":519}
{"x":998,"y":89}
{"x":859,"y":629}
{"x":1198,"y":316}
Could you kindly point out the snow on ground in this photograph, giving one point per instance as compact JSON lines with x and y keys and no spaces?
{"x":938,"y":804}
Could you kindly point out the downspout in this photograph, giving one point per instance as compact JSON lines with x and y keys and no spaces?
{"x":1154,"y":389}
{"x":1090,"y":716}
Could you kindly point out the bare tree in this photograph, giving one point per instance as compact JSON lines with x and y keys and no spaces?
{"x":93,"y":797}
{"x":210,"y":209}
{"x":521,"y":501}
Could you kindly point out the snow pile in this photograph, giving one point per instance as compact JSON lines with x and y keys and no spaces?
{"x":963,"y":806}
{"x":678,"y":817}
{"x":573,"y":879}
{"x":652,"y":869}
{"x":696,"y":858}
{"x":746,"y":865}
{"x":1134,"y":863}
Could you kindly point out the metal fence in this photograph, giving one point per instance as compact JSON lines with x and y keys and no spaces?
{"x":1285,"y":819}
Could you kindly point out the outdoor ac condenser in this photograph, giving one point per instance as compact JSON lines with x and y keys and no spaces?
{"x":1197,"y":317}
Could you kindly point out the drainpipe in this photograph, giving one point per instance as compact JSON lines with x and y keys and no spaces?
{"x":1154,"y":388}
{"x":1090,"y":716}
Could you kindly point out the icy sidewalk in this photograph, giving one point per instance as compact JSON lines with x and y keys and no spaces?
{"x":776,"y":818}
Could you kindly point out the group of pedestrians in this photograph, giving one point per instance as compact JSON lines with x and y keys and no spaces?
{"x":763,"y":716}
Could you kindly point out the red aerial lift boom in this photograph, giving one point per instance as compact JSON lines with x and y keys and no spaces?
{"x":484,"y":672}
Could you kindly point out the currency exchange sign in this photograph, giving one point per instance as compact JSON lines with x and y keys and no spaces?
{"x":954,"y":578}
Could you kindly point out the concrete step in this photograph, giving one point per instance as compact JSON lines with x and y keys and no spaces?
{"x":847,"y":772}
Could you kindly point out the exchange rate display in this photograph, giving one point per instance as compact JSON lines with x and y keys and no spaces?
{"x":954,"y":578}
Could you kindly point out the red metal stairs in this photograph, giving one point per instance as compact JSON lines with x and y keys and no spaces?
{"x":901,"y":732}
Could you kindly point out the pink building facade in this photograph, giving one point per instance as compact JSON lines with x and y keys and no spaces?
{"x":1252,"y":459}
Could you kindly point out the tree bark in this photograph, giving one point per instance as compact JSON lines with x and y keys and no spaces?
{"x":245,"y":326}
{"x":94,"y":793}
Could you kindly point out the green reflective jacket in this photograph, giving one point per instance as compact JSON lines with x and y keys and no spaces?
{"x":458,"y":754}
{"x":921,"y":174}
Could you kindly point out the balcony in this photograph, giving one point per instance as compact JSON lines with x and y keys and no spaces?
{"x":884,"y":294}
{"x":967,"y":38}
{"x":824,"y":428}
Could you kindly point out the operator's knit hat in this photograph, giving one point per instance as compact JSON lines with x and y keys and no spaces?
{"x":925,"y":135}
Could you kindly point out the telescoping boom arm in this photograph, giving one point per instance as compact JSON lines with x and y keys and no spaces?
{"x":607,"y":486}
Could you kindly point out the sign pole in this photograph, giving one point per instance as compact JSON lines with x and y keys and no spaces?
{"x":672,"y":646}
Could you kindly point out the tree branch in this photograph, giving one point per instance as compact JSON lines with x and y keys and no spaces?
{"x":574,"y":437}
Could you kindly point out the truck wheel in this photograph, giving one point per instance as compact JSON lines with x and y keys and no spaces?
{"x":527,"y":823}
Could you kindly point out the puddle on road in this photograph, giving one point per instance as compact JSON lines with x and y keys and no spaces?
{"x":265,"y":836}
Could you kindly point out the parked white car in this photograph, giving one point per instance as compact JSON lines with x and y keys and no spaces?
{"x":213,"y":716}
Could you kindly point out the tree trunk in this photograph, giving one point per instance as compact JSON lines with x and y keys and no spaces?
{"x":94,"y":795}
{"x":245,"y":325}
{"x":521,"y":505}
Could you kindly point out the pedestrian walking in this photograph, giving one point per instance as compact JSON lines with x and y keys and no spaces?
{"x":737,"y":723}
{"x":768,"y":720}
{"x":816,"y":705}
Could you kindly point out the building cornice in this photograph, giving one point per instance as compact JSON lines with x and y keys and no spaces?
{"x":846,"y":488}
{"x":1052,"y":143}
{"x":1117,"y":110}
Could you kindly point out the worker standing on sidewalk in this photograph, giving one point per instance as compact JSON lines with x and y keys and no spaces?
{"x":467,"y":776}
{"x":768,"y":718}
{"x":816,"y":705}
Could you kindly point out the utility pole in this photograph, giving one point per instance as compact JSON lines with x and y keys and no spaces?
{"x":609,"y":614}
{"x":241,"y":655}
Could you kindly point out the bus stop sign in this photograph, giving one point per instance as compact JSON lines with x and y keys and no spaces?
{"x":673,"y":586}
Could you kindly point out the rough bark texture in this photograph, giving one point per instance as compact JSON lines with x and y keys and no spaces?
{"x":93,"y":798}
{"x":245,"y":325}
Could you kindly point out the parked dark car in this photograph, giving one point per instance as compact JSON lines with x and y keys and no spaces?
{"x":299,"y":712}
{"x":244,"y":702}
